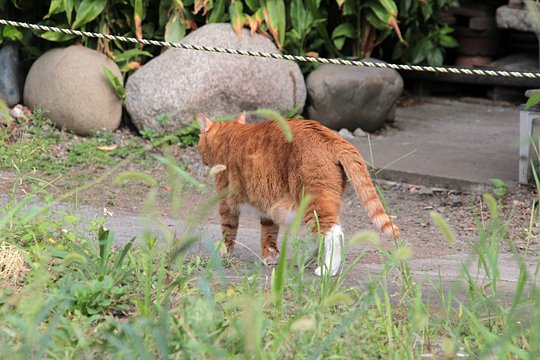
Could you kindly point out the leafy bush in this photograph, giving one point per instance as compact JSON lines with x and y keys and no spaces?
{"x":312,"y":27}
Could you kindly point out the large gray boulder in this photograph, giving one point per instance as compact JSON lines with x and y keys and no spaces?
{"x":70,"y":85}
{"x":179,"y":83}
{"x":10,"y":77}
{"x":353,"y":97}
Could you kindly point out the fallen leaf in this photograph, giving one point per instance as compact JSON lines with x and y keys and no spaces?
{"x":107,"y":147}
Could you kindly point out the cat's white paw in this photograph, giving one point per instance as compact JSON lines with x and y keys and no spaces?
{"x":333,"y":241}
{"x":320,"y":272}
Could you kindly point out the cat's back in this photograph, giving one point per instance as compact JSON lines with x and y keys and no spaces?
{"x":311,"y":135}
{"x":310,"y":138}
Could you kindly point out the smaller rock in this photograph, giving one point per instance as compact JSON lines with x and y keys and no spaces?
{"x":16,"y":113}
{"x":346,"y":134}
{"x":351,"y":97}
{"x":10,"y":82}
{"x":359,"y":133}
{"x":19,"y":112}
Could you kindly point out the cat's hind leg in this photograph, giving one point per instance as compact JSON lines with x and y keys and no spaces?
{"x":333,"y":249}
{"x":269,"y":235}
{"x":323,"y":215}
{"x":229,"y":213}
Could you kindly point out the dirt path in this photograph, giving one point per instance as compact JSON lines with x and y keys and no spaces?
{"x":410,"y":206}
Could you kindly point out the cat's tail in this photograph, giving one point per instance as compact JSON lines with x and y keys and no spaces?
{"x":357,"y":172}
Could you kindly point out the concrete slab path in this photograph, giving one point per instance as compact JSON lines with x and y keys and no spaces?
{"x":447,"y":143}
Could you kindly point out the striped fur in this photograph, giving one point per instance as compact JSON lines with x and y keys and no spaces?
{"x":262,"y":169}
{"x":358,"y":174}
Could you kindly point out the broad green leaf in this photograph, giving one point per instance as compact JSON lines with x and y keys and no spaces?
{"x":282,"y":21}
{"x":533,"y":100}
{"x":55,"y":36}
{"x":389,"y":6}
{"x":339,"y":42}
{"x":236,"y":12}
{"x":343,"y":30}
{"x":107,"y":282}
{"x":68,"y":6}
{"x":138,"y":17}
{"x":297,"y":14}
{"x":275,"y":20}
{"x":164,"y":8}
{"x":115,"y":83}
{"x":381,"y":13}
{"x":253,"y":5}
{"x":130,"y":54}
{"x":349,"y":8}
{"x":341,"y":33}
{"x":435,"y":57}
{"x":218,"y":12}
{"x":175,"y":30}
{"x":87,"y":11}
{"x":200,"y":5}
{"x":57,"y":6}
{"x":427,"y":10}
{"x":446,"y":30}
{"x":419,"y":51}
{"x":313,"y":8}
{"x":375,"y":21}
{"x":139,"y":9}
{"x":447,"y":41}
{"x":12,"y":33}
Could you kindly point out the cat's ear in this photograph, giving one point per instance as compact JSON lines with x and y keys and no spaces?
{"x":241,"y":119}
{"x":204,"y":122}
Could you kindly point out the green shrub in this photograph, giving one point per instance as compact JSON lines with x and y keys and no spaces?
{"x":414,"y":31}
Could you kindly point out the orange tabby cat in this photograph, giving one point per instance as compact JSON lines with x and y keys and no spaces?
{"x":265,"y":171}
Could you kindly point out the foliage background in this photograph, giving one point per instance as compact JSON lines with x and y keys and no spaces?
{"x":406,"y":31}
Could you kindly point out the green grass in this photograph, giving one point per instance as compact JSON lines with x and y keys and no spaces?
{"x":36,"y":145}
{"x":84,"y":298}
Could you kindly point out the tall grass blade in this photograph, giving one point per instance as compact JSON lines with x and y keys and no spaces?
{"x":317,"y":353}
{"x":182,"y":173}
{"x":271,"y":114}
{"x":135,"y":176}
{"x":120,"y":258}
{"x":443,"y":226}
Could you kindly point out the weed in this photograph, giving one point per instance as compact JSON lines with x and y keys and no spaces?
{"x":500,"y":187}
